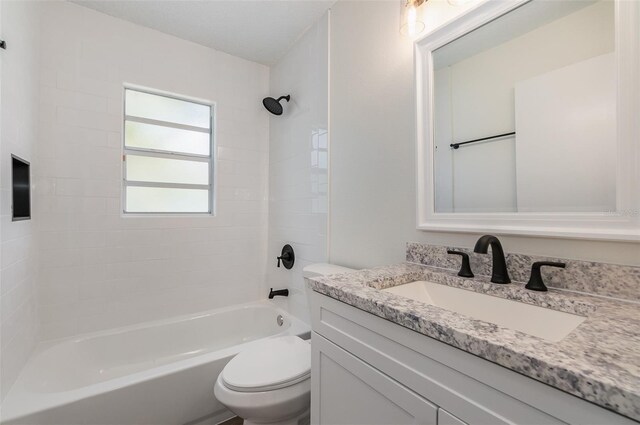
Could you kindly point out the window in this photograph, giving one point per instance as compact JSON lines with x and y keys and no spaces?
{"x":168,"y":155}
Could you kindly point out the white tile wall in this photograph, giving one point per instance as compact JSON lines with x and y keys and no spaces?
{"x":97,"y":268}
{"x":19,"y":74}
{"x":298,"y":163}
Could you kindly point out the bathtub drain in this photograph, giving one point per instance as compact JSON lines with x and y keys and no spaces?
{"x":280,"y":320}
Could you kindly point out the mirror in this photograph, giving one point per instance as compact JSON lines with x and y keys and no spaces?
{"x":527,"y":120}
{"x":525,"y":112}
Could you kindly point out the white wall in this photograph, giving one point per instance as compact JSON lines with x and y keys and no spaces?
{"x":298,"y":160}
{"x":99,"y":269}
{"x":372,"y":204}
{"x":19,"y":24}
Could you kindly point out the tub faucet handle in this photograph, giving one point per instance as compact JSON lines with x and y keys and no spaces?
{"x":284,"y":257}
{"x":287,"y":257}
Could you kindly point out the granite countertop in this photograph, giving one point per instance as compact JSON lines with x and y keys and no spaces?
{"x":599,"y":361}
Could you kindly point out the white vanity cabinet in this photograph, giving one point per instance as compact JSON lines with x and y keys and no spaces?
{"x":446,"y":418}
{"x":367,"y":370}
{"x":355,"y":393}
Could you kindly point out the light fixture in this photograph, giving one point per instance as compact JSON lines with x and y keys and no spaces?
{"x":411,"y":17}
{"x":459,"y":2}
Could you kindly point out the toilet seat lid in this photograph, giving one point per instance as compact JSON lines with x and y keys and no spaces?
{"x":269,"y":364}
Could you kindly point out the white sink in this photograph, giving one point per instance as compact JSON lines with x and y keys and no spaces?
{"x":541,"y":322}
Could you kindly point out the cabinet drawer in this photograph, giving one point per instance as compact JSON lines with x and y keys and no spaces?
{"x":351,"y":392}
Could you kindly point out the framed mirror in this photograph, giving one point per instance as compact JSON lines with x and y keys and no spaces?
{"x":528,"y":120}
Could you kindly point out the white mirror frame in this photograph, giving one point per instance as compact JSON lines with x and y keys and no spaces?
{"x":623,"y":225}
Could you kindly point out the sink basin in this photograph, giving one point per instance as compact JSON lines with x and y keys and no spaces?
{"x":551,"y":325}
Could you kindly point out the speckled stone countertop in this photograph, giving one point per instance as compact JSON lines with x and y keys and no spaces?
{"x":599,"y":361}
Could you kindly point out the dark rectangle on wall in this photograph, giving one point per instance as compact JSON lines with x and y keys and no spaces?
{"x":20,"y":189}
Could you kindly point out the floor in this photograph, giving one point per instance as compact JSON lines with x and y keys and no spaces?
{"x":232,"y":421}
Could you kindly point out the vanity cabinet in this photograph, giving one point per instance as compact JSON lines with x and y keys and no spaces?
{"x":446,"y":418}
{"x":352,"y":392}
{"x":367,"y":370}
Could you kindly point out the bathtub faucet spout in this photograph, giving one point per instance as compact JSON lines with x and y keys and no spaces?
{"x":278,"y":292}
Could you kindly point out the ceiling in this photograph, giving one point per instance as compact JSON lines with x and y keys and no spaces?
{"x":261,"y":31}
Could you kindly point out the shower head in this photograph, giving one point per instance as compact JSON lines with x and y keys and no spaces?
{"x":273,"y":105}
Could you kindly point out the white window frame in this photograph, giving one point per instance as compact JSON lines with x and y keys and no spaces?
{"x":127,"y":151}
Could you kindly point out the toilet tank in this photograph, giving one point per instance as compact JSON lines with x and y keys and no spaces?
{"x":323,"y":269}
{"x":317,"y":270}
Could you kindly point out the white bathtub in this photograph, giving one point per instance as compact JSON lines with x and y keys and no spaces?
{"x":159,"y":372}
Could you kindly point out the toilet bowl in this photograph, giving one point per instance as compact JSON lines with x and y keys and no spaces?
{"x":270,"y":383}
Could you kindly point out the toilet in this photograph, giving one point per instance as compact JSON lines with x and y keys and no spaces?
{"x":270,"y":383}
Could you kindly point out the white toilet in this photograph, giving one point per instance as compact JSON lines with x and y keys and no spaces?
{"x":271,"y":381}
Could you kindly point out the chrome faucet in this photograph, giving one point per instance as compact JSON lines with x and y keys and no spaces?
{"x":499,"y":272}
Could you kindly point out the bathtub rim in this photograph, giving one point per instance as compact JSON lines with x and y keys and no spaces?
{"x":21,"y":401}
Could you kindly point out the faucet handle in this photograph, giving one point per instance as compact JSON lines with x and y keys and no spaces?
{"x":287,"y":257}
{"x":465,"y":268}
{"x":535,"y":281}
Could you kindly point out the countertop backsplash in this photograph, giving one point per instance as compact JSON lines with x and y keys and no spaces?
{"x":610,"y":280}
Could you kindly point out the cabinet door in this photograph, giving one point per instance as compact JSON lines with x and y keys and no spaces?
{"x":446,"y":418}
{"x":348,"y":391}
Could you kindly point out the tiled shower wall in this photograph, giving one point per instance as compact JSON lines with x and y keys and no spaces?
{"x":18,"y":265}
{"x":298,"y":163}
{"x":98,"y":268}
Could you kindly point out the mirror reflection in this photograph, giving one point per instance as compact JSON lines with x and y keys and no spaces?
{"x":525,"y":112}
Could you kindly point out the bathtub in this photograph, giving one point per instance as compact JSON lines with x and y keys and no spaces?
{"x":159,"y":372}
